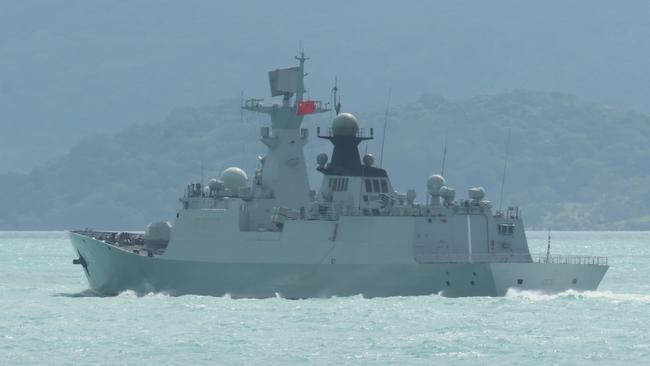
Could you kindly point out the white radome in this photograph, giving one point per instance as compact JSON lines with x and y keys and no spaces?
{"x":434,"y":183}
{"x":476,"y":193}
{"x":234,"y":178}
{"x":368,"y":160}
{"x":447,"y":193}
{"x":345,"y":124}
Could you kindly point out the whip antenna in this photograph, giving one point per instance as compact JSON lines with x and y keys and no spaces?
{"x":241,"y":107}
{"x":336,"y":100}
{"x":444,"y":157}
{"x":383,"y":135}
{"x":548,"y":246}
{"x":363,"y":175}
{"x":505,"y":165}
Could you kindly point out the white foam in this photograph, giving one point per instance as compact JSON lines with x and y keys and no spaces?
{"x":578,"y":295}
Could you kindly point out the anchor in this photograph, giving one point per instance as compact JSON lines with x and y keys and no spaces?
{"x":81,"y":260}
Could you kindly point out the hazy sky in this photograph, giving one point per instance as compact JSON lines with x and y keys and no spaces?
{"x":73,"y":68}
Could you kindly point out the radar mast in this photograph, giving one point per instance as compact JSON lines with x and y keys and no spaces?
{"x":283,"y":173}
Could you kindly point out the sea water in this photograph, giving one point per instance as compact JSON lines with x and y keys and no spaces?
{"x":47,"y":318}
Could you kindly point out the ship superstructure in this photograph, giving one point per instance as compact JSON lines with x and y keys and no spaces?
{"x":270,"y":234}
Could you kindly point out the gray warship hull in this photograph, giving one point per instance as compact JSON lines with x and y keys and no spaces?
{"x":273,"y":235}
{"x":111,"y":270}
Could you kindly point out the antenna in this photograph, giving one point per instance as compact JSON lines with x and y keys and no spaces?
{"x":383,"y":137}
{"x":241,"y":107}
{"x":201,"y":172}
{"x":362,"y":182}
{"x":336,"y":100}
{"x":548,"y":246}
{"x":505,"y":165}
{"x":444,"y":157}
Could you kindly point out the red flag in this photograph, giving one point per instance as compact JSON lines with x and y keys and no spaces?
{"x":305,"y":107}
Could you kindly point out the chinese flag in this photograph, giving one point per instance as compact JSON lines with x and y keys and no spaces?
{"x":305,"y":107}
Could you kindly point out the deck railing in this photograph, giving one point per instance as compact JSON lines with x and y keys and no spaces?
{"x":475,"y":258}
{"x":570,"y":259}
{"x":511,"y":258}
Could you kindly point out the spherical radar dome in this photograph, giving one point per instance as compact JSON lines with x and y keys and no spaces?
{"x":345,"y":124}
{"x":321,"y":159}
{"x":234,"y":178}
{"x":368,"y":160}
{"x":476,"y":193}
{"x":434,"y":183}
{"x":447,"y":193}
{"x":214,"y":184}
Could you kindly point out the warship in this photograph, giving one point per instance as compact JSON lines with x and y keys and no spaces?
{"x":272,"y":235}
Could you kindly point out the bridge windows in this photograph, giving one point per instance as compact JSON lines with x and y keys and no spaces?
{"x":384,"y":186}
{"x":506,"y":229}
{"x":338,"y":184}
{"x":376,"y":185}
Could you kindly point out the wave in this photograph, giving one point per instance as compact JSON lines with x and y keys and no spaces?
{"x":136,"y":294}
{"x":578,"y":295}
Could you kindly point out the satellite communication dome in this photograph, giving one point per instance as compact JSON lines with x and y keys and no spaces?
{"x":345,"y":124}
{"x":368,"y":160}
{"x":215,"y":184}
{"x":234,"y":178}
{"x":321,"y":159}
{"x":410,"y":196}
{"x":476,"y":193}
{"x":447,"y":193}
{"x":434,"y":183}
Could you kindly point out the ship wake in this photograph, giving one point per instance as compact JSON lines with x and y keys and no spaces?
{"x":610,"y":296}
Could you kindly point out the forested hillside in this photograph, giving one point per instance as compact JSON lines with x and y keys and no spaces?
{"x":571,"y":164}
{"x":70,"y":69}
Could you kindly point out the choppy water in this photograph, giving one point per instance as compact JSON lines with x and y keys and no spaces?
{"x":44,"y":319}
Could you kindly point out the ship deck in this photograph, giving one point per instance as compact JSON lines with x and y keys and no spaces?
{"x":128,"y":241}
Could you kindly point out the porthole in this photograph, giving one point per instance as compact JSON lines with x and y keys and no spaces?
{"x":448,"y":283}
{"x":471,"y":282}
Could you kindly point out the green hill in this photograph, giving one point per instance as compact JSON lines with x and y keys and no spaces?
{"x":572,"y":164}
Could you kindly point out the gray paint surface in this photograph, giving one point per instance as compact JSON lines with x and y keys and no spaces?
{"x":352,"y":236}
